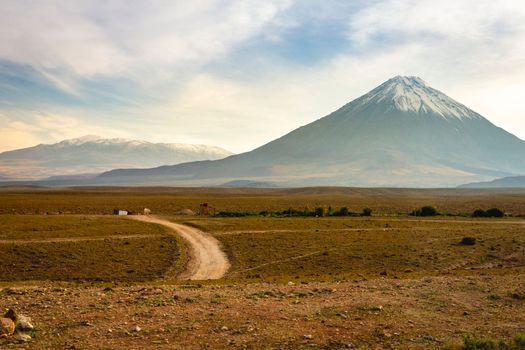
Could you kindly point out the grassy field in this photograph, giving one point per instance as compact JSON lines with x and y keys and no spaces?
{"x":389,"y":281}
{"x":77,"y":248}
{"x":338,"y":249}
{"x":168,"y":201}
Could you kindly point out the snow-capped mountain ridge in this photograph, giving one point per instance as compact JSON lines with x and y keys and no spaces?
{"x":412,"y":94}
{"x":94,"y":139}
{"x":93,"y":154}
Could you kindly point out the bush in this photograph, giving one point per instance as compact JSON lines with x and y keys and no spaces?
{"x":519,"y":341}
{"x":479,"y":213}
{"x":366,"y":212}
{"x":342,"y":212}
{"x":468,"y":241}
{"x":425,"y":211}
{"x":490,"y":213}
{"x":495,"y":213}
{"x":480,"y":343}
{"x":235,"y":214}
{"x":475,"y":343}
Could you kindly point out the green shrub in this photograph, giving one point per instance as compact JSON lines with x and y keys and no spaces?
{"x":319,"y":211}
{"x":425,"y":211}
{"x":342,"y":212}
{"x":519,"y":341}
{"x":468,"y":241}
{"x":235,"y":214}
{"x":495,"y":213}
{"x":481,"y":343}
{"x":475,"y":343}
{"x":479,"y":213}
{"x":366,"y":212}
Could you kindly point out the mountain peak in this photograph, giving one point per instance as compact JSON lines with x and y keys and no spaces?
{"x":413,"y":94}
{"x":407,"y":80}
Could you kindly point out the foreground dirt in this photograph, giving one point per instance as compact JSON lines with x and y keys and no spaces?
{"x":206,"y":259}
{"x":376,"y":314}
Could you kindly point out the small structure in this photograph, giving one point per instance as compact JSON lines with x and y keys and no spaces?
{"x":120,"y":212}
{"x":147,"y":211}
{"x":203,"y":209}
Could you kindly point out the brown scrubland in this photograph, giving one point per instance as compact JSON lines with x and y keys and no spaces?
{"x":91,"y":280}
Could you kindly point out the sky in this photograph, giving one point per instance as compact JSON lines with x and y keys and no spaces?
{"x":238,"y":74}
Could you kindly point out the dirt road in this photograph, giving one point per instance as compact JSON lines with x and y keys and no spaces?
{"x":206,"y":259}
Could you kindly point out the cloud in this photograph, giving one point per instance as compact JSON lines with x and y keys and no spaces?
{"x":234,"y":73}
{"x":467,"y":36}
{"x":40,"y":127}
{"x":157,"y":39}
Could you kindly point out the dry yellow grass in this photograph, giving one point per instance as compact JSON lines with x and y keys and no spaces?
{"x":335,"y":249}
{"x":171,"y":200}
{"x":433,"y":293}
{"x":82,"y":248}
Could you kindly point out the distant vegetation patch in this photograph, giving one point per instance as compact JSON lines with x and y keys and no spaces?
{"x":471,"y":342}
{"x":170,"y":201}
{"x":291,"y":212}
{"x":489,"y":213}
{"x":425,"y":211}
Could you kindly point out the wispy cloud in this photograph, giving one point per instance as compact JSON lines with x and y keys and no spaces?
{"x":83,"y":39}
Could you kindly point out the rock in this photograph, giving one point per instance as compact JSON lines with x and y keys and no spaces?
{"x":308,"y":336}
{"x":185,"y":212}
{"x":224,"y":328}
{"x":137,"y":329}
{"x":7,"y":327}
{"x":24,"y":323}
{"x":22,"y":337}
{"x":291,"y":283}
{"x":11,"y":314}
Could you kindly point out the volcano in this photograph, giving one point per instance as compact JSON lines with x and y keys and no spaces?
{"x":403,"y":133}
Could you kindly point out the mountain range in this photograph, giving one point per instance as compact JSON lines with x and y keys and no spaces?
{"x":90,"y":155}
{"x":403,"y":133}
{"x":505,"y":182}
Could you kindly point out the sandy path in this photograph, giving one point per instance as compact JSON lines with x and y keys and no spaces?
{"x":207,"y":260}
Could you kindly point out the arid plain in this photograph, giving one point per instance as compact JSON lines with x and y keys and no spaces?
{"x":92,"y":280}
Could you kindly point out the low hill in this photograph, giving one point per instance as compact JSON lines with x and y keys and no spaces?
{"x":506,"y":182}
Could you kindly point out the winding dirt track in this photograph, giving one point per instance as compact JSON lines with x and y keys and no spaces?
{"x":206,"y":259}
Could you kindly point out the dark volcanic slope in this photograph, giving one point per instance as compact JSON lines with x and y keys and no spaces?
{"x":403,"y":133}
